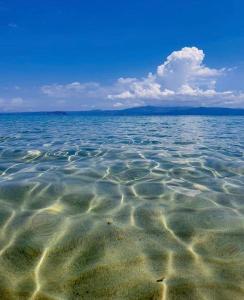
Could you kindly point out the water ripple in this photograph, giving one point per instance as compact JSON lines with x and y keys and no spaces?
{"x":121,"y":208}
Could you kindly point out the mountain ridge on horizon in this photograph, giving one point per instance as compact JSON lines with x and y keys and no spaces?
{"x":148,"y":110}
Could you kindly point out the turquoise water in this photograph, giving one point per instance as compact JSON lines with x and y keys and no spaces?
{"x":121,"y":207}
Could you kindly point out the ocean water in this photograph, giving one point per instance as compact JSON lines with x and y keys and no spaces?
{"x":121,"y":207}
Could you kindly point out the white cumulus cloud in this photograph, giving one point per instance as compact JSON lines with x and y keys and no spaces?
{"x":182,"y":79}
{"x":183,"y":73}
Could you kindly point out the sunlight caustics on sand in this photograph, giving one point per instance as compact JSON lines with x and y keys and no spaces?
{"x":121,"y":207}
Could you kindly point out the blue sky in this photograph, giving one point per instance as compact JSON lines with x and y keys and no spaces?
{"x":76,"y":55}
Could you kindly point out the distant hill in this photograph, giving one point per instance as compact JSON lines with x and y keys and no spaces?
{"x":154,"y":111}
{"x":167,"y":111}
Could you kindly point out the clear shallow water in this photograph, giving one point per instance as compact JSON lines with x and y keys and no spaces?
{"x":121,"y":208}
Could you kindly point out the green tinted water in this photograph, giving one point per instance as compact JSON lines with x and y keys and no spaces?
{"x":121,"y":208}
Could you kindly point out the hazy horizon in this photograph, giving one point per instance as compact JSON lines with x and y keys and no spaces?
{"x":182,"y":108}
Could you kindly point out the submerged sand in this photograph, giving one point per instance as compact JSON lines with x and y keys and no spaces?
{"x":142,"y":216}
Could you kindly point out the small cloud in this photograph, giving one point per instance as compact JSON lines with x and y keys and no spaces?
{"x":118,"y":104}
{"x":17,"y":101}
{"x":71,"y":89}
{"x":12,"y":25}
{"x":12,"y":104}
{"x":61,"y":101}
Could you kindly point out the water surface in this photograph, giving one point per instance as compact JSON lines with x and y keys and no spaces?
{"x":121,"y":207}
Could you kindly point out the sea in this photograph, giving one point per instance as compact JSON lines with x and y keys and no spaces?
{"x":121,"y":207}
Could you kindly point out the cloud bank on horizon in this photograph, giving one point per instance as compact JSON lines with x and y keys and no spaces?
{"x":181,"y":80}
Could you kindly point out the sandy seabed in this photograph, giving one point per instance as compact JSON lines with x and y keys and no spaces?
{"x":125,"y":208}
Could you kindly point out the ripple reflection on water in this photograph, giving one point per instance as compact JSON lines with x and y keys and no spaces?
{"x":121,"y":208}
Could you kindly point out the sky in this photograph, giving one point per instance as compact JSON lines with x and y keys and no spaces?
{"x":82,"y":55}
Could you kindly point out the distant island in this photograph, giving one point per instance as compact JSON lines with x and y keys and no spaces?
{"x":152,"y":111}
{"x":167,"y":111}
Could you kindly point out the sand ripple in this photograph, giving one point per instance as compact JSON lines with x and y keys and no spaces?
{"x":121,"y":208}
